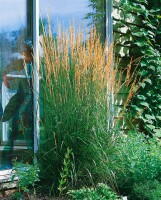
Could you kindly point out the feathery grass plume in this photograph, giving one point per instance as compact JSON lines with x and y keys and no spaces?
{"x":77,"y":79}
{"x":75,"y":72}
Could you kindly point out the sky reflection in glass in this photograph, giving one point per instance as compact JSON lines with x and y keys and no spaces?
{"x":12,"y":14}
{"x":64,"y":12}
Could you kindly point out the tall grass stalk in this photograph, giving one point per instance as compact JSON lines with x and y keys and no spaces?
{"x":76,"y":72}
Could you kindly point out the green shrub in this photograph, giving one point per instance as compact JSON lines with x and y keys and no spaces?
{"x":150,"y":190}
{"x":102,"y":192}
{"x":27,"y":176}
{"x":140,"y":161}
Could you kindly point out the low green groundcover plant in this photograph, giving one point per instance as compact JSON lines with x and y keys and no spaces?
{"x":136,"y":169}
{"x":28,"y":176}
{"x":102,"y":191}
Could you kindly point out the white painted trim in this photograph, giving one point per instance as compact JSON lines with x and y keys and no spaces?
{"x":6,"y":172}
{"x":2,"y":148}
{"x":109,"y":38}
{"x":109,"y":21}
{"x":36,"y":68}
{"x":6,"y":176}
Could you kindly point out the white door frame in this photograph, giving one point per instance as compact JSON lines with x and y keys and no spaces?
{"x":109,"y":38}
{"x":109,"y":21}
{"x":36,"y":70}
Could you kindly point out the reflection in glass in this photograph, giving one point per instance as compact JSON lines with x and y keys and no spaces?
{"x":81,"y":12}
{"x":15,"y":81}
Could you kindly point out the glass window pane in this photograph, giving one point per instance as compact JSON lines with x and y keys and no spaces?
{"x":86,"y":12}
{"x":15,"y":81}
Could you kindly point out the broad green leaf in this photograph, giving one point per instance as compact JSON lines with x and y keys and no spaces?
{"x":151,"y":67}
{"x":150,"y":126}
{"x":141,"y":97}
{"x":144,"y":104}
{"x":143,"y":63}
{"x":158,"y":117}
{"x":137,"y":108}
{"x":140,"y":44}
{"x":149,"y":117}
{"x":148,"y":80}
{"x":157,"y":132}
{"x":138,"y":34}
{"x":151,"y":33}
{"x":142,"y":85}
{"x":143,"y":72}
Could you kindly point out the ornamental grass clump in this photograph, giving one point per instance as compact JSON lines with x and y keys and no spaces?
{"x":77,"y":79}
{"x":76,"y":72}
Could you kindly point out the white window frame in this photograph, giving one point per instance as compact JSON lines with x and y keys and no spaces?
{"x":36,"y":76}
{"x":109,"y":38}
{"x":109,"y":21}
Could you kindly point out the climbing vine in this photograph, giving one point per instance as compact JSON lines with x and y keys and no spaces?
{"x":145,"y":43}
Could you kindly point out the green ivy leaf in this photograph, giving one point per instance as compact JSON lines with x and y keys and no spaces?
{"x":138,"y":34}
{"x":151,"y":67}
{"x":149,"y":117}
{"x":151,"y":33}
{"x":157,"y":132}
{"x":148,"y":81}
{"x":137,"y":108}
{"x":143,"y":63}
{"x":147,"y":45}
{"x":140,"y":44}
{"x":158,"y":117}
{"x":144,"y":104}
{"x":141,"y":97}
{"x":143,"y":73}
{"x":151,"y":127}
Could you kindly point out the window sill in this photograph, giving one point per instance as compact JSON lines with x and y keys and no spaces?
{"x":6,"y":179}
